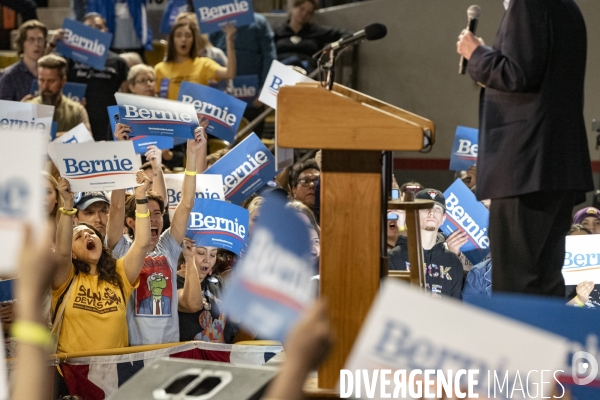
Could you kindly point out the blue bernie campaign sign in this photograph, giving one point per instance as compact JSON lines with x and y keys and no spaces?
{"x":464,"y":212}
{"x":224,"y":112}
{"x":84,"y":44}
{"x":464,"y":149}
{"x":213,"y":14}
{"x":173,"y":9}
{"x":7,"y":290}
{"x":245,"y":169}
{"x":156,"y":117}
{"x":71,"y":90}
{"x":54,"y":130}
{"x":140,"y":143}
{"x":270,"y":287}
{"x":580,"y":326}
{"x":164,"y":88}
{"x":218,"y":223}
{"x":113,"y":116}
{"x":246,"y":87}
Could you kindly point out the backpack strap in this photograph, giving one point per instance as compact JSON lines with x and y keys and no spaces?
{"x":62,"y":297}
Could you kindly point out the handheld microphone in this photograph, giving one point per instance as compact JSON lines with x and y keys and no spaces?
{"x":372,"y":32}
{"x":473,"y":14}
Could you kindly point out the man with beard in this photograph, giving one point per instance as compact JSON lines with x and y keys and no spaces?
{"x":52,"y":77}
{"x":443,"y":270}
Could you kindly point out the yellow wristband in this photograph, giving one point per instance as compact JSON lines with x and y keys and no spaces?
{"x":68,"y":212}
{"x":403,"y":228}
{"x":32,"y":333}
{"x":190,"y":173}
{"x":145,"y":215}
{"x":578,"y":302}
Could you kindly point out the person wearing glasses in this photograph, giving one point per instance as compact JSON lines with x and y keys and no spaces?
{"x":443,"y":270}
{"x":15,"y":83}
{"x":140,"y":81}
{"x":303,"y":180}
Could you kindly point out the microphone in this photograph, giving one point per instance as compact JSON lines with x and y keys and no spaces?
{"x":473,"y":14}
{"x":372,"y":32}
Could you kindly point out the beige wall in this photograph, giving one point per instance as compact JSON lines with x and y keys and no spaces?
{"x":415,"y":66}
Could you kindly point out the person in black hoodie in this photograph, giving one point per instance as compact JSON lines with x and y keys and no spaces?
{"x":443,"y":269}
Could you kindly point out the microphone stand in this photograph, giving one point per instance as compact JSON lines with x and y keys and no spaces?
{"x":327,"y":68}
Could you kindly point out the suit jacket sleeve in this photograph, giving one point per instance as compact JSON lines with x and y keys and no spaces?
{"x":517,"y":62}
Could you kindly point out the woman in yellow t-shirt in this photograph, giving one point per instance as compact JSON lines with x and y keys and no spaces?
{"x":182,"y":63}
{"x":89,"y":283}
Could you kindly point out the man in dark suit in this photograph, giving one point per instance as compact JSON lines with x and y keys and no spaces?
{"x":533,"y":157}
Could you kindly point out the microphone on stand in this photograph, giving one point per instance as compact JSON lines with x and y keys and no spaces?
{"x":372,"y":32}
{"x":473,"y":14}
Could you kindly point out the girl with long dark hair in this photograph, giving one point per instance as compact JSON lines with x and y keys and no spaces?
{"x":90,"y":289}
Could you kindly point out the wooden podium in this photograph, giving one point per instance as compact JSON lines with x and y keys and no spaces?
{"x":353,"y":130}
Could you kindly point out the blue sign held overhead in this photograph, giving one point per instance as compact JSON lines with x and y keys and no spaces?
{"x":173,"y":9}
{"x":245,"y":169}
{"x":217,"y":223}
{"x":270,"y":287}
{"x":246,"y":88}
{"x":141,"y":143}
{"x":464,"y":149}
{"x":223,"y":111}
{"x":464,"y":212}
{"x":71,"y":90}
{"x":213,"y":14}
{"x":156,"y":117}
{"x":84,"y":44}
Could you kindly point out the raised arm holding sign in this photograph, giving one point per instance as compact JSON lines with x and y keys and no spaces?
{"x":84,"y":44}
{"x":214,"y":14}
{"x":80,"y":256}
{"x":151,"y":116}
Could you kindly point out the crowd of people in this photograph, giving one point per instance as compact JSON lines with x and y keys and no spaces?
{"x":447,"y":270}
{"x":122,"y":272}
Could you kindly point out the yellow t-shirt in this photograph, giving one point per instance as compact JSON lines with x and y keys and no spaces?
{"x":198,"y":70}
{"x":95,"y":316}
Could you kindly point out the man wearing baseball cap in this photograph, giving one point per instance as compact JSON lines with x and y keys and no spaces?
{"x":443,"y":269}
{"x":589,"y":217}
{"x":92,"y":209}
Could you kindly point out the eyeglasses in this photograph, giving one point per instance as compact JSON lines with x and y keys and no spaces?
{"x":36,"y":40}
{"x":307,"y":182}
{"x":146,"y":81}
{"x":157,"y":277}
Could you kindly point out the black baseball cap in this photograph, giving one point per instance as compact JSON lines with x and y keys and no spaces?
{"x":432,"y":194}
{"x":85,"y":199}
